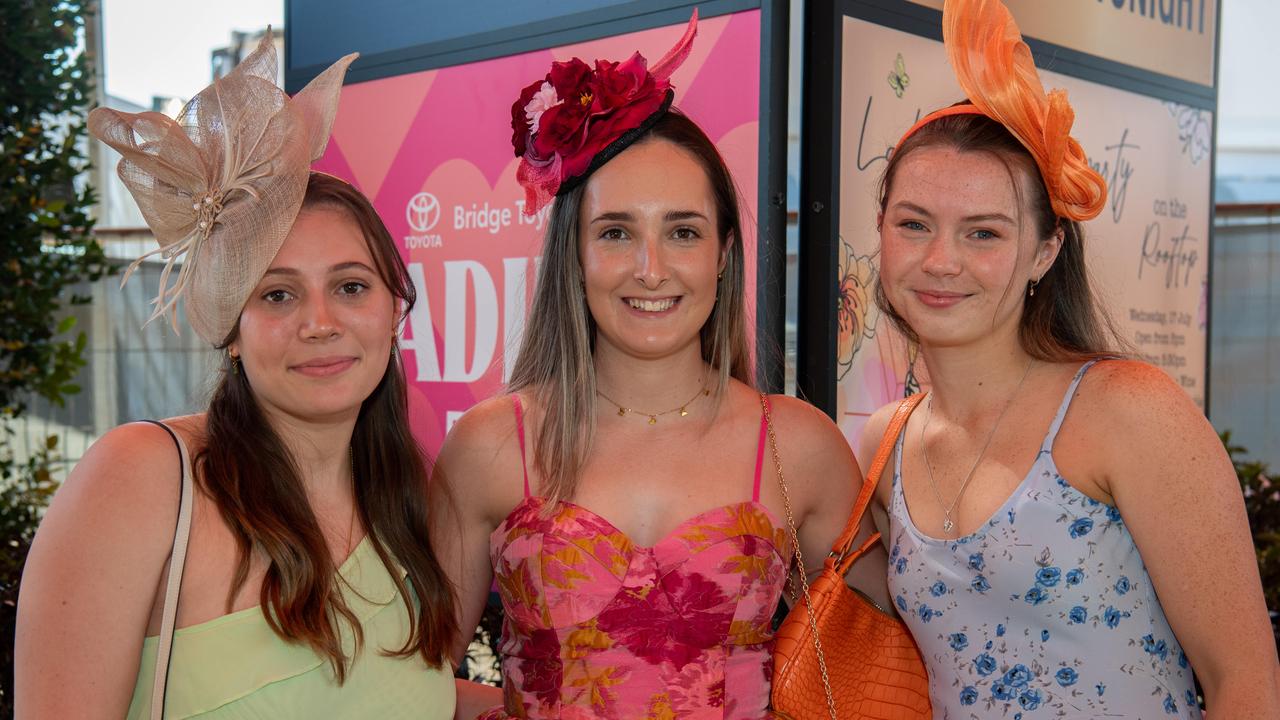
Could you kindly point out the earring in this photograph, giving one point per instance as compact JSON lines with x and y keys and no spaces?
{"x":235,"y":363}
{"x":1031,"y":291}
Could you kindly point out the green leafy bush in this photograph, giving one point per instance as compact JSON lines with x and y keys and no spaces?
{"x":47,"y":248}
{"x":1262,"y":503}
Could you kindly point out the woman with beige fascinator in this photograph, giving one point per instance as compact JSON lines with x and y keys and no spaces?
{"x":1066,"y":535}
{"x":299,"y":581}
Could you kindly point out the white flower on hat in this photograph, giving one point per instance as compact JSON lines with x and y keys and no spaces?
{"x":544,"y":100}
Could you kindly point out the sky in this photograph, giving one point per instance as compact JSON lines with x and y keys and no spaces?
{"x":1248,"y":94}
{"x":162,"y":47}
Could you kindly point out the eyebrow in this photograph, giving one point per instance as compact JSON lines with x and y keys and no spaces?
{"x":340,"y":267}
{"x":671,"y":216}
{"x":984,"y":217}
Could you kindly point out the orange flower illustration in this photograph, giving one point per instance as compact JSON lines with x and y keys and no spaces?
{"x":857,"y":275}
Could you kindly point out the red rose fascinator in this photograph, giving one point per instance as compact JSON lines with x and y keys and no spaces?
{"x":576,"y":119}
{"x":996,"y":72}
{"x":221,"y":185}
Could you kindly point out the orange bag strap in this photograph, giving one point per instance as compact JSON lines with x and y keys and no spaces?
{"x":841,"y":557}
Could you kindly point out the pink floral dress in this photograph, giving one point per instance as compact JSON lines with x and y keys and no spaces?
{"x":600,"y":627}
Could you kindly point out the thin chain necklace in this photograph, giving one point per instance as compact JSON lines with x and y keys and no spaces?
{"x":947,"y":524}
{"x":653,"y":417}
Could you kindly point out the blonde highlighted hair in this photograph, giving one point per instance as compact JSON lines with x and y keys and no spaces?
{"x":555,"y":364}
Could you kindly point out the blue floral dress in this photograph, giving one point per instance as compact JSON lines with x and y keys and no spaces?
{"x":1046,"y":611}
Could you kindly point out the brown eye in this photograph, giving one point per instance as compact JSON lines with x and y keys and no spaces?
{"x":275,"y":297}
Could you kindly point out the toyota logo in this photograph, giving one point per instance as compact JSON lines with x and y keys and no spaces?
{"x":423,"y":212}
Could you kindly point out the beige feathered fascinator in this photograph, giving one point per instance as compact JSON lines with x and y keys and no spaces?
{"x":222,"y":184}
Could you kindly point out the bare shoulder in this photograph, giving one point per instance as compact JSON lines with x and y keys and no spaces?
{"x":814,"y":451}
{"x":1122,"y":395}
{"x":1131,"y":411}
{"x":482,"y":454}
{"x":478,"y":438}
{"x":134,"y":467}
{"x":120,"y":499}
{"x":808,"y":430}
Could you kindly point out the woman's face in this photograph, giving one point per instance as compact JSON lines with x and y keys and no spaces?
{"x":958,"y":247}
{"x":316,"y":334}
{"x":650,"y":250}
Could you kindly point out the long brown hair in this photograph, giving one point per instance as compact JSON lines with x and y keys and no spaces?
{"x":555,"y":359}
{"x":1064,"y":320}
{"x":253,"y":480}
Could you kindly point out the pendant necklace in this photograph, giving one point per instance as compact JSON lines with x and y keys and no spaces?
{"x":947,"y":524}
{"x":653,"y":416}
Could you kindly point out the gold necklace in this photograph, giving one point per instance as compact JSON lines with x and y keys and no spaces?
{"x":653,"y":417}
{"x":947,"y":523}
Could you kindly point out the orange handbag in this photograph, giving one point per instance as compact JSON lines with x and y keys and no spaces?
{"x":837,"y":654}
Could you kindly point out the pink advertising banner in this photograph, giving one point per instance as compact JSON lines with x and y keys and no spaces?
{"x":432,"y":150}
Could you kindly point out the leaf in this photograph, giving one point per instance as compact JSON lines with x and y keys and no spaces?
{"x":66,"y":324}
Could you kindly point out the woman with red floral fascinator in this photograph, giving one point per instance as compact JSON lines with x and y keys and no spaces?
{"x":1066,"y":534}
{"x":623,"y":493}
{"x":266,"y":558}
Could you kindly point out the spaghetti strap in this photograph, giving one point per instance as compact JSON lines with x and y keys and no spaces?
{"x":764,"y":430}
{"x":524,"y":466}
{"x":1066,"y":404}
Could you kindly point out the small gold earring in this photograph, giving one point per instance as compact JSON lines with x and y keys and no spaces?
{"x":1031,"y":292}
{"x":235,"y":363}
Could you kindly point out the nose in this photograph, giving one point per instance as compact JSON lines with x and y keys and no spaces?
{"x":318,"y":323}
{"x":651,"y":266}
{"x":941,"y":256}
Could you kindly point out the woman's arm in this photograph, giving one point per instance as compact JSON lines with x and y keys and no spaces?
{"x":825,"y":480}
{"x":1179,"y":497}
{"x":91,"y":577}
{"x":474,"y":698}
{"x":467,"y":496}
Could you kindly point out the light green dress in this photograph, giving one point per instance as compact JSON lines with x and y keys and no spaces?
{"x":235,"y":667}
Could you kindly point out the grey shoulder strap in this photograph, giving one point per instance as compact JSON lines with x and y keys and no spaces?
{"x":177,"y":559}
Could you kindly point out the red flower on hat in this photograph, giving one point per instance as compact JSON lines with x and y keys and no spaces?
{"x":561,"y":122}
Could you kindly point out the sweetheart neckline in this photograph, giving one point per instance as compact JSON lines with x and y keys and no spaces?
{"x":635,"y":546}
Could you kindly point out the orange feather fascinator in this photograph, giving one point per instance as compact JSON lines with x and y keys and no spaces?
{"x":999,"y":77}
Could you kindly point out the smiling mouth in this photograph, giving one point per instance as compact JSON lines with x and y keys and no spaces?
{"x":658,"y":305}
{"x":939,"y":299}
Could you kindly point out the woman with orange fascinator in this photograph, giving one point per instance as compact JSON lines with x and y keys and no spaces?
{"x":1067,"y":537}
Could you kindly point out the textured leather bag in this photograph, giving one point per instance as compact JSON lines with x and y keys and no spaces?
{"x":837,"y":654}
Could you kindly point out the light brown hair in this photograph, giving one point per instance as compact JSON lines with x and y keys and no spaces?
{"x":555,"y":360}
{"x":248,"y":472}
{"x":1064,"y":320}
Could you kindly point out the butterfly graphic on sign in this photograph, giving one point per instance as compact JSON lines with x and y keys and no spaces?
{"x":1195,"y":131}
{"x":898,"y":78}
